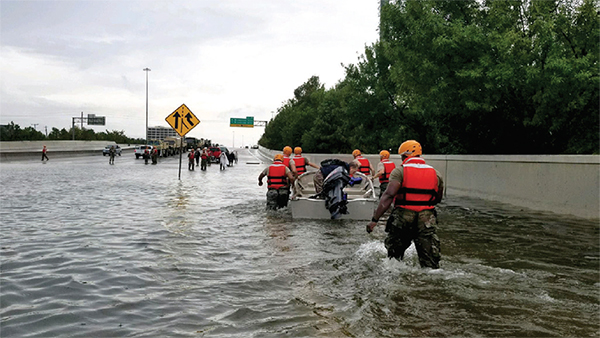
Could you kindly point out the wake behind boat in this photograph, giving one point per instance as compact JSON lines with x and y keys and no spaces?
{"x":361,"y":199}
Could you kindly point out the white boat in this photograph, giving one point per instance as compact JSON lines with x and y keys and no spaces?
{"x":361,"y":199}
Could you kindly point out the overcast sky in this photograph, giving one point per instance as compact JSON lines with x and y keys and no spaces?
{"x":222,"y":58}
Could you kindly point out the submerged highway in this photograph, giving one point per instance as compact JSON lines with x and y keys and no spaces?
{"x":90,"y":249}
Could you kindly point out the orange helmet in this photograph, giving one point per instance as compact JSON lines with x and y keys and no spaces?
{"x":278,"y":157}
{"x":287,"y":150}
{"x":356,"y":152}
{"x":410,"y":148}
{"x":384,"y":154}
{"x":297,"y":150}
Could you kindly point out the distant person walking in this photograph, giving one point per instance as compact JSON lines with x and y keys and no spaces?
{"x":146,"y":155}
{"x":205,"y":157}
{"x":197,"y":156}
{"x":223,"y":160}
{"x":191,"y":161}
{"x":44,"y":155}
{"x":155,"y":156}
{"x":111,"y":155}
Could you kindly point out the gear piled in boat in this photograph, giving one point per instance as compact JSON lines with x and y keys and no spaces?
{"x":336,"y":200}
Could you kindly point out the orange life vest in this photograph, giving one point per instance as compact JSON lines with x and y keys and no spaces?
{"x":286,"y":161}
{"x":419,"y":186}
{"x":388,"y":166}
{"x":276,"y":177}
{"x":365,"y":166}
{"x":300,"y":163}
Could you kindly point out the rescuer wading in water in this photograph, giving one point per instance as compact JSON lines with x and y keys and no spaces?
{"x":279,"y":179}
{"x":414,"y":188}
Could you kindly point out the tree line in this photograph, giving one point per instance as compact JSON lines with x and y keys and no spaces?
{"x":13,"y":132}
{"x":476,"y":77}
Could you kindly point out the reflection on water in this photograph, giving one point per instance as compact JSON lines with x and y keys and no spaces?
{"x":89,"y":249}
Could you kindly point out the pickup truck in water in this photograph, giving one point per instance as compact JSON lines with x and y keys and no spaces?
{"x":139,"y":150}
{"x":106,"y":149}
{"x":215,"y":153}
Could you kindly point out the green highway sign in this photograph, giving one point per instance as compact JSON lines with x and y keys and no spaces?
{"x":92,"y":119}
{"x":238,"y":122}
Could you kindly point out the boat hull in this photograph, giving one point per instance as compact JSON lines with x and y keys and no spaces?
{"x":307,"y":208}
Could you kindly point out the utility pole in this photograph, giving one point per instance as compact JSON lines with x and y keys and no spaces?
{"x":146,"y":70}
{"x":46,"y":128}
{"x":35,"y":125}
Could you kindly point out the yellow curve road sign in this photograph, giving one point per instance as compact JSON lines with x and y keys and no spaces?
{"x":182,"y":120}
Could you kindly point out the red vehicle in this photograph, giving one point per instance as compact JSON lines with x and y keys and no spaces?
{"x":215,"y":153}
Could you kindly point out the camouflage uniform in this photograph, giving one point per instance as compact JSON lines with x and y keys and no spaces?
{"x":404,"y":226}
{"x":278,"y":198}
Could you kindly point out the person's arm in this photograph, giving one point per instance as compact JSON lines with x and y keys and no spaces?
{"x":290,"y":176}
{"x":261,"y":176}
{"x":440,"y":192}
{"x":313,"y":165}
{"x":293,"y":167}
{"x":384,"y":204}
{"x":379,"y":173}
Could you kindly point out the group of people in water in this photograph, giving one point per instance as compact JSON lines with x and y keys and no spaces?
{"x":411,"y":190}
{"x":203,"y":158}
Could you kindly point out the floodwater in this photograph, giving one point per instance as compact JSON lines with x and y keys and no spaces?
{"x":90,"y":249}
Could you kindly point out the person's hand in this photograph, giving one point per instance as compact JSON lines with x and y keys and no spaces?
{"x":260,"y":183}
{"x":371,"y":226}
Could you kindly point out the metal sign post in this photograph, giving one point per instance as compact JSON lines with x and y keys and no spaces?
{"x":91,"y":119}
{"x":180,"y":156}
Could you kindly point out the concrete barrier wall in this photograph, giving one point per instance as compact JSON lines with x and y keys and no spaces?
{"x":36,"y":146}
{"x":30,"y":150}
{"x":564,"y":184}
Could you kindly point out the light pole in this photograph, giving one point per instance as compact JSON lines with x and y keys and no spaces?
{"x":146,"y":70}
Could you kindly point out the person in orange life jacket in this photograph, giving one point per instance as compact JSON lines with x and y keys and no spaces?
{"x":146,"y":155}
{"x":414,"y":188}
{"x":279,"y":179}
{"x":384,"y":169}
{"x":365,"y":165}
{"x":191,"y":161}
{"x":288,"y":161}
{"x":205,"y":157}
{"x":301,"y":162}
{"x":155,"y":156}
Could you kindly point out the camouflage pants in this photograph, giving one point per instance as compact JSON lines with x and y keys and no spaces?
{"x":277,"y":198}
{"x":405,"y":226}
